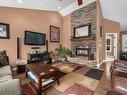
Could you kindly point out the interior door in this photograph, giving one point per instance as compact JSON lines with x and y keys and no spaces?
{"x":111,"y":46}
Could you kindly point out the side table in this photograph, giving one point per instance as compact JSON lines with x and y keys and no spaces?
{"x":21,"y":66}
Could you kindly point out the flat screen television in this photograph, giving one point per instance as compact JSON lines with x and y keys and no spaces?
{"x":34,"y":38}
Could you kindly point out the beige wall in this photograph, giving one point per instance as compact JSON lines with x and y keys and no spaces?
{"x":34,"y":20}
{"x":99,"y":39}
{"x":111,"y":27}
{"x":107,"y":26}
{"x":23,"y":19}
{"x":66,"y":34}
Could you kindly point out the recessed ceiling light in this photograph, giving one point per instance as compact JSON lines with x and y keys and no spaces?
{"x":59,"y":7}
{"x":19,"y":1}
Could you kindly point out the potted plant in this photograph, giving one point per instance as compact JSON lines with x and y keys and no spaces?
{"x":63,"y":53}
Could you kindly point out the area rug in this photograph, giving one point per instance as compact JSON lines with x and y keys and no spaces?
{"x":72,"y":78}
{"x":60,"y":74}
{"x":112,"y":93}
{"x":94,"y":73}
{"x":27,"y":90}
{"x":77,"y":89}
{"x":68,"y":69}
{"x":77,"y":68}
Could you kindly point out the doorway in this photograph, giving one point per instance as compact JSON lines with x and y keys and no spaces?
{"x":111,"y":46}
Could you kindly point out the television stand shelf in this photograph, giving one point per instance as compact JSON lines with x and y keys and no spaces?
{"x":39,"y":57}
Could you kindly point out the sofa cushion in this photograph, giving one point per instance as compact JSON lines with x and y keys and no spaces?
{"x":5,"y":70}
{"x":5,"y":78}
{"x":3,"y":58}
{"x":11,"y":87}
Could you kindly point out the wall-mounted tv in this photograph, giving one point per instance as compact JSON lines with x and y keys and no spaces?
{"x":34,"y":38}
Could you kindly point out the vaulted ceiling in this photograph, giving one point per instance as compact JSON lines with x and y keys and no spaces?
{"x":51,"y":5}
{"x":112,"y":9}
{"x":115,"y":10}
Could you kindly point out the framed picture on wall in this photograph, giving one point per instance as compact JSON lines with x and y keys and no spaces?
{"x":4,"y":31}
{"x":54,"y":34}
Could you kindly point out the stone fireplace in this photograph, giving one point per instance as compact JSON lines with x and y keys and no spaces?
{"x":83,"y":50}
{"x":84,"y":46}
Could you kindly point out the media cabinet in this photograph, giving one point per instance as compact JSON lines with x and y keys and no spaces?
{"x":39,"y":57}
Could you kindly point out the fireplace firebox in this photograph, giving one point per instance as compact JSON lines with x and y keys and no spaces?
{"x":82,"y":50}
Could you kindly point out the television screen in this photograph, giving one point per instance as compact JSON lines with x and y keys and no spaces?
{"x":34,"y":38}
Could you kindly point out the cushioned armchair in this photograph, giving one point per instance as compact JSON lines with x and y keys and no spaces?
{"x":119,"y":76}
{"x":11,"y":87}
{"x":8,"y":85}
{"x":5,"y":70}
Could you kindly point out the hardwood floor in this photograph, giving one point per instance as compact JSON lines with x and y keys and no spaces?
{"x":105,"y":83}
{"x":102,"y":88}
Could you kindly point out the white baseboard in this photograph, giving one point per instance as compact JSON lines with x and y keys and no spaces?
{"x":98,"y":65}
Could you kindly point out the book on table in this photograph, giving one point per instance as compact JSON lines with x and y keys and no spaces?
{"x":44,"y":81}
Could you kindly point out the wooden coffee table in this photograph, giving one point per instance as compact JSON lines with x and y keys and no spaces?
{"x":42,"y":71}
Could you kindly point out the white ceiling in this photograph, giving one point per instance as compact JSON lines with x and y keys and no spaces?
{"x":74,"y":6}
{"x":51,"y":5}
{"x":112,"y":9}
{"x":115,"y":10}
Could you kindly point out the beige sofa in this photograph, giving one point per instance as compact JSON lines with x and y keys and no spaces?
{"x":8,"y":85}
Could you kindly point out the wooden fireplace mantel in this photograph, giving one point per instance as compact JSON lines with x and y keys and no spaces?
{"x":83,"y":38}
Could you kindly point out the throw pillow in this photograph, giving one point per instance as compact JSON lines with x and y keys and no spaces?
{"x":3,"y":58}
